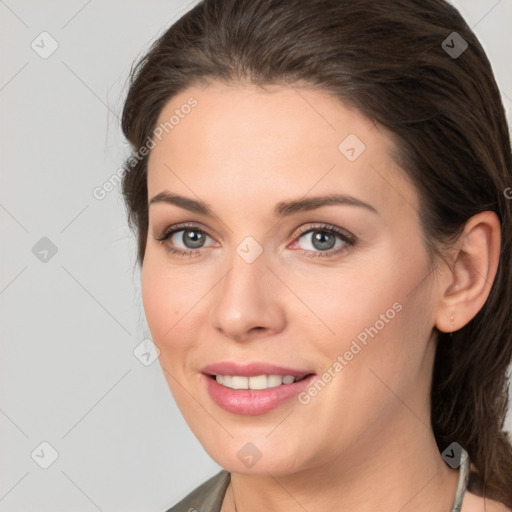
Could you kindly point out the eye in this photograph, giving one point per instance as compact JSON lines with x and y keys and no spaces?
{"x":192,"y":238}
{"x":322,"y":241}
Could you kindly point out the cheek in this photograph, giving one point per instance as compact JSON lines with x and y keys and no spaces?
{"x":353,"y":299}
{"x":158,"y":302}
{"x":378,"y":309}
{"x":165,"y":301}
{"x":377,"y":352}
{"x":176,"y":305}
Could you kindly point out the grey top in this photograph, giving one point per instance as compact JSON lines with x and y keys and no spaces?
{"x":208,"y":497}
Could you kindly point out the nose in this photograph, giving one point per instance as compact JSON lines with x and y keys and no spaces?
{"x":248,"y":300}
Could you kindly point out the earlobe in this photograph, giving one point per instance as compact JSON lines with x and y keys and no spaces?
{"x":469,"y":281}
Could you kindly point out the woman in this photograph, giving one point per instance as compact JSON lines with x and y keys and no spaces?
{"x":319,"y":190}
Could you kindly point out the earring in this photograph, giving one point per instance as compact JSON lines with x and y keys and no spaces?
{"x":451,"y":322}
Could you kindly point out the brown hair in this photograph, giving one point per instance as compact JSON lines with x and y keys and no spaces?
{"x":445,"y":112}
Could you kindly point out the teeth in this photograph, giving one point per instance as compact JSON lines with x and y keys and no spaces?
{"x":240,"y":382}
{"x":257,"y":382}
{"x":274,"y":380}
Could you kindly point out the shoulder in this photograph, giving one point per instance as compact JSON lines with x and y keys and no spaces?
{"x":474,"y":503}
{"x":474,"y":500}
{"x":207,"y":497}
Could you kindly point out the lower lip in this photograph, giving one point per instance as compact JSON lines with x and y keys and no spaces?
{"x":254,"y":401}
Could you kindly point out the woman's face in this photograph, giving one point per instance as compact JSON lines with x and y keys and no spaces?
{"x":271,"y":276}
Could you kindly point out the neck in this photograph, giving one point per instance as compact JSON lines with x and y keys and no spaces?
{"x":385,"y":471}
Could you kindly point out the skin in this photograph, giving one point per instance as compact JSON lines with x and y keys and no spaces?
{"x":242,"y":150}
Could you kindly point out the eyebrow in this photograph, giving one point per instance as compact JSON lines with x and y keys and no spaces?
{"x":282,"y":209}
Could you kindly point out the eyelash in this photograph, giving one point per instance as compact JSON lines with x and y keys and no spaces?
{"x":349,"y":241}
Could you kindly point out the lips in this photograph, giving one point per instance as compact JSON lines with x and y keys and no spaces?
{"x":253,"y":401}
{"x":253,"y":369}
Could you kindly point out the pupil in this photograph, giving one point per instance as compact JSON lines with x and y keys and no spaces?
{"x":319,"y":237}
{"x":196,"y":238}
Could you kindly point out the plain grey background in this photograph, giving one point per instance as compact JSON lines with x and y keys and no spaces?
{"x":71,"y":314}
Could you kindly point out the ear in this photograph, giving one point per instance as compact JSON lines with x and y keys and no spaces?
{"x":466,"y":286}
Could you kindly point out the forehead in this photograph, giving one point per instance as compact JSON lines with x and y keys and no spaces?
{"x":277,"y":117}
{"x":274,"y":142}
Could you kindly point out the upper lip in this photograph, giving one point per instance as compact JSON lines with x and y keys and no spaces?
{"x":251,"y":369}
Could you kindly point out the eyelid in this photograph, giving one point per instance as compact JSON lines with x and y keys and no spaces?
{"x":169,"y":230}
{"x":327,"y":227}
